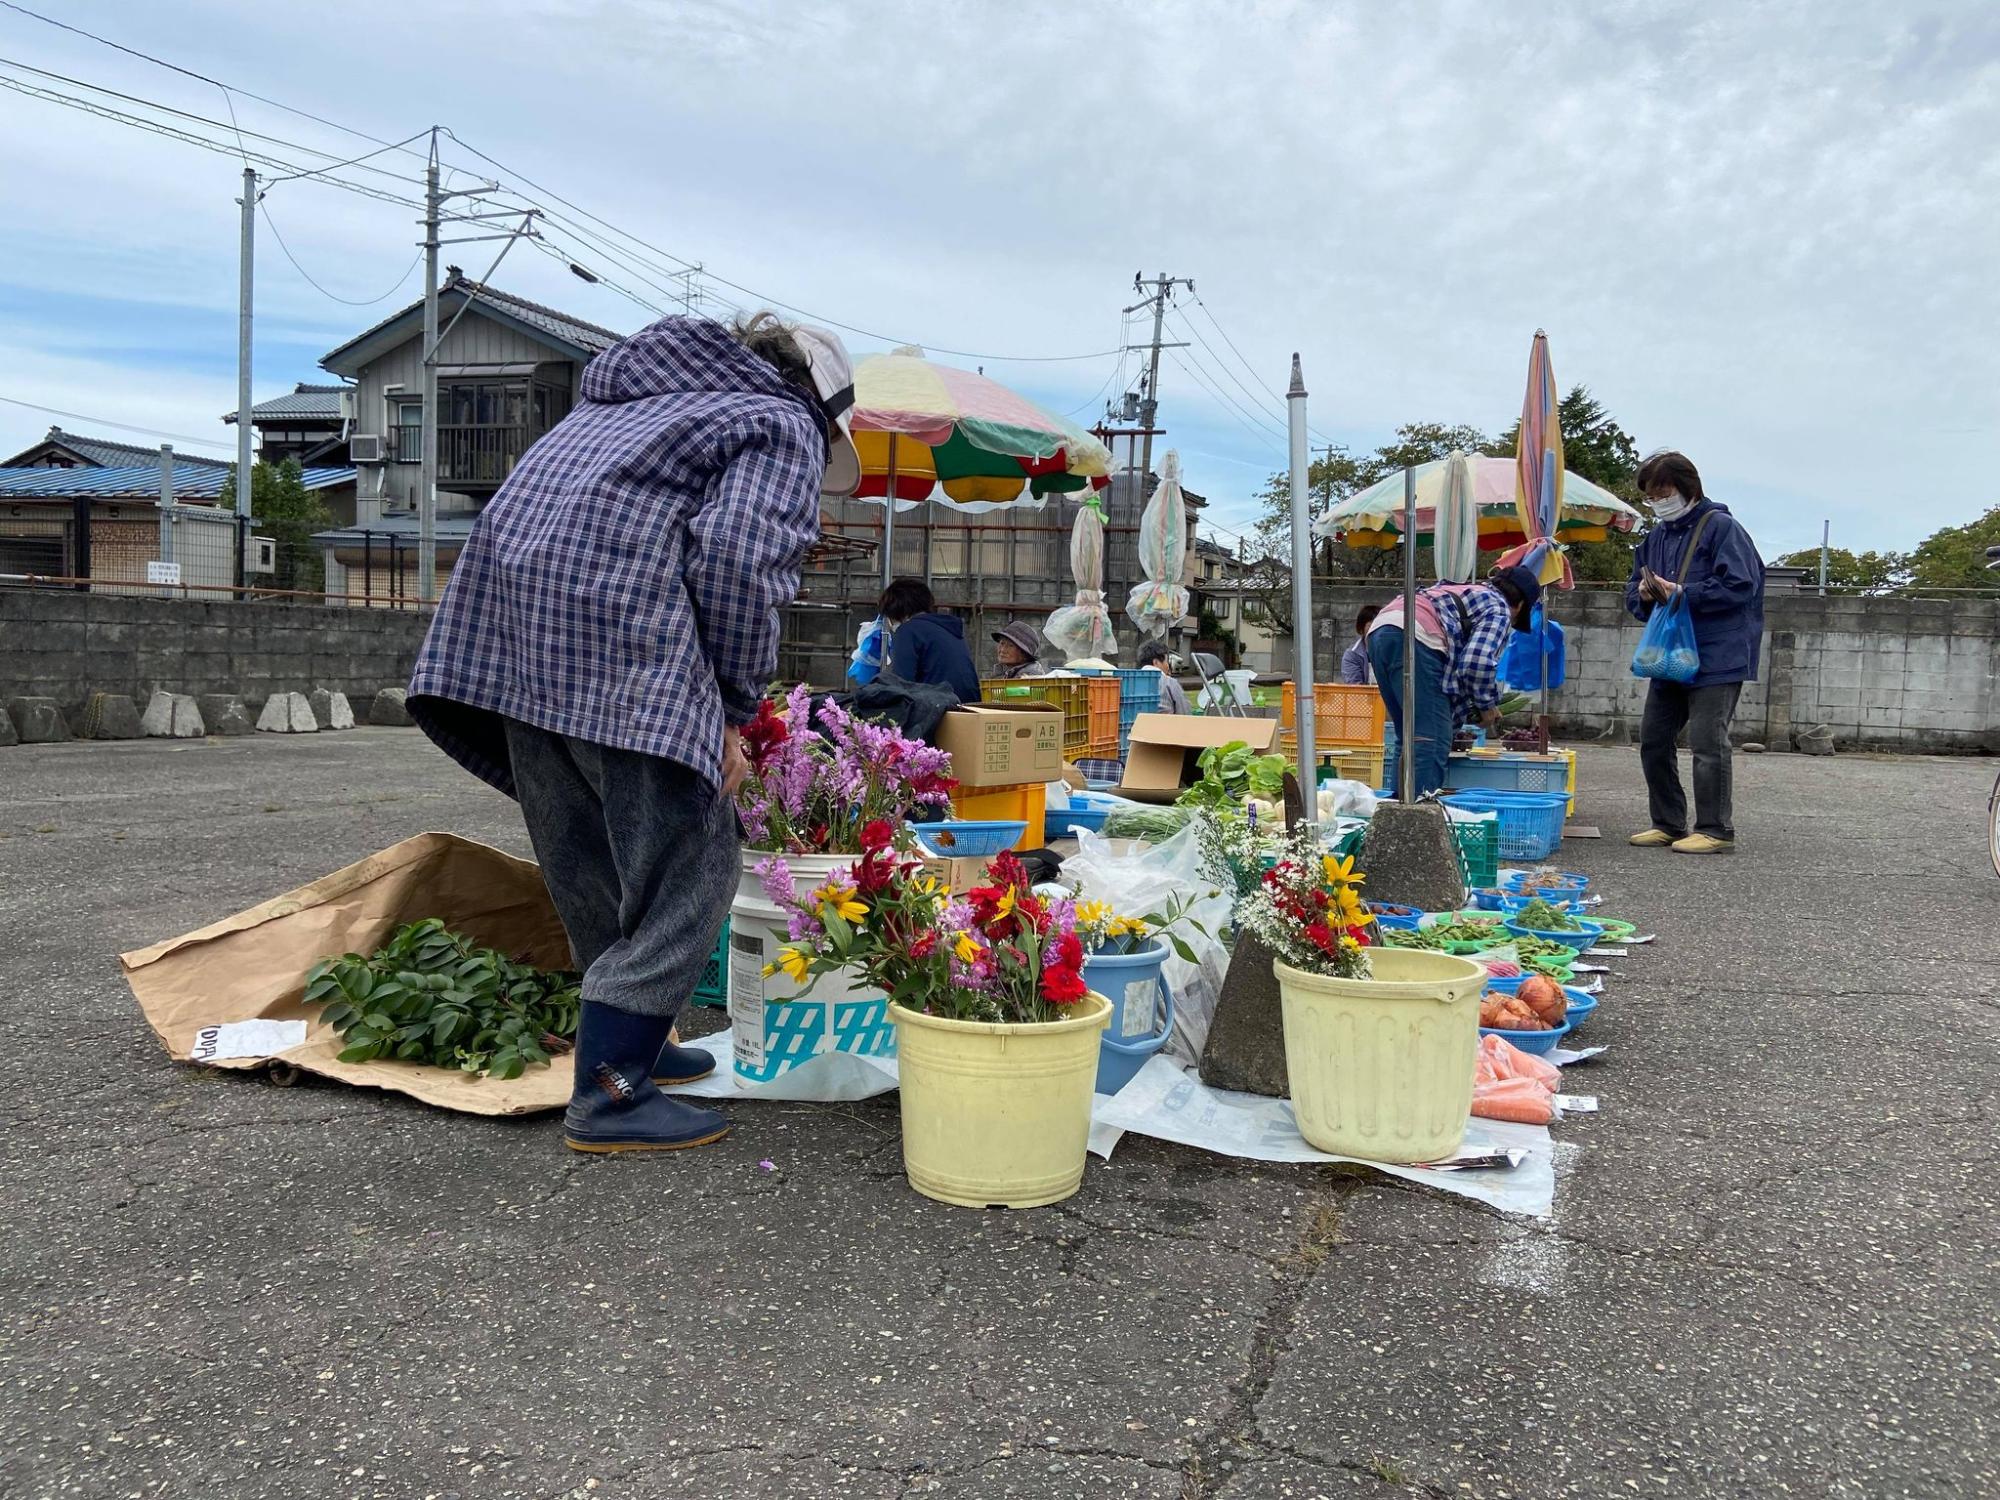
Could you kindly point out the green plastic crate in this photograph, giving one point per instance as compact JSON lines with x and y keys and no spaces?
{"x":713,"y":988}
{"x":1478,"y":851}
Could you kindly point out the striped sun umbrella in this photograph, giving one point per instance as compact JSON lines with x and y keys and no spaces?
{"x":921,"y":428}
{"x":1538,"y":474}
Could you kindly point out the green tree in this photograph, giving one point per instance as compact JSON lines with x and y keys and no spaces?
{"x":1955,"y":556}
{"x":1853,"y":572}
{"x":281,"y":507}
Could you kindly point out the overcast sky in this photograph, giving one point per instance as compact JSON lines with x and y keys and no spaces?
{"x":1764,"y":234}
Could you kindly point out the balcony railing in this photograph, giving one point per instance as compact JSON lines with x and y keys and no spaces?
{"x":467,"y":454}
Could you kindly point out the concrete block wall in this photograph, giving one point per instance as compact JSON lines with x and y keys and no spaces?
{"x":66,"y":645}
{"x":1918,"y":675}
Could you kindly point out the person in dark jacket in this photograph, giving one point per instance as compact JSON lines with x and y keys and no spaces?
{"x":609,"y":628}
{"x":925,"y":643}
{"x":1699,"y":549}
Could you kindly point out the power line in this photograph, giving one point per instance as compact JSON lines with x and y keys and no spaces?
{"x":272,"y":225}
{"x":77,"y":416}
{"x":749,"y":291}
{"x":213,"y":124}
{"x":1230,"y":411}
{"x":199,"y":77}
{"x":1185,"y":326}
{"x":105,"y":112}
{"x":1194,"y":366}
{"x":355,"y":161}
{"x":1255,"y":373}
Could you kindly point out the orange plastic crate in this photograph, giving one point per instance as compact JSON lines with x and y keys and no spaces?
{"x":1288,"y":711}
{"x":1070,"y":694}
{"x":1028,"y":802}
{"x":1103,"y":698}
{"x":1347,"y":713}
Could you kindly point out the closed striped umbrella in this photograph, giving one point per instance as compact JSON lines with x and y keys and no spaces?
{"x":1538,"y":474}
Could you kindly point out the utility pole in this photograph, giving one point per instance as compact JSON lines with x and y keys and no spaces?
{"x":246,"y":256}
{"x":433,"y":340}
{"x":428,"y":442}
{"x":1149,"y":405}
{"x":1825,"y":537}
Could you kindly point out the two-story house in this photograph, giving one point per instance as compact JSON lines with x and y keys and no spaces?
{"x":310,"y":424}
{"x":508,"y":371}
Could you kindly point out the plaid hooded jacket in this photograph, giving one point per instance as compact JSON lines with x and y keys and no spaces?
{"x":623,"y":586}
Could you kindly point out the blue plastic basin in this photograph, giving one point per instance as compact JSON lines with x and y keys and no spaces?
{"x":1580,"y":1005}
{"x":1536,"y":1043}
{"x":1583,"y":939}
{"x":970,"y":839}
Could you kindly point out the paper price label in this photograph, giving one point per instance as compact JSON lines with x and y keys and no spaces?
{"x":746,"y":999}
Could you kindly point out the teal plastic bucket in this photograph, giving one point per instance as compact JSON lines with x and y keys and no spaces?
{"x":1142,"y":1011}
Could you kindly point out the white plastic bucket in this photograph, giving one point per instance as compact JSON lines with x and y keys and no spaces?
{"x":770,"y":1032}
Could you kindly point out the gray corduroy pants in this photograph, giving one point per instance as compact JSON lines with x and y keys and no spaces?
{"x":640,"y":856}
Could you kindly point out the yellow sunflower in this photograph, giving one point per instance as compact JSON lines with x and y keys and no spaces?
{"x":840,"y":899}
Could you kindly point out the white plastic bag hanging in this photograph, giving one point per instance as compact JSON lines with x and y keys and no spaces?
{"x":1161,"y":601}
{"x":1083,"y":629}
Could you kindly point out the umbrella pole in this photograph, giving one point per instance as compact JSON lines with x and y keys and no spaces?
{"x":1302,"y":646}
{"x":1406,"y":760}
{"x":889,"y":520}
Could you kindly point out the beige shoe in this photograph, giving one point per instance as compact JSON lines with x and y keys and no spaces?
{"x":1652,"y":838}
{"x":1701,"y":843}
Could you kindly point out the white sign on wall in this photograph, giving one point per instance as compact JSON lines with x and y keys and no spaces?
{"x":167,"y":573}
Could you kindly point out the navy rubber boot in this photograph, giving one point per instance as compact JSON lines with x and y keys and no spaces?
{"x":616,"y":1106}
{"x":680,"y":1064}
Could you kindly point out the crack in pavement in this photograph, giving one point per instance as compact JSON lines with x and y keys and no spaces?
{"x":1236,"y":1431}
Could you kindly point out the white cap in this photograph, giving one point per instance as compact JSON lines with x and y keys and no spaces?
{"x":833,"y":380}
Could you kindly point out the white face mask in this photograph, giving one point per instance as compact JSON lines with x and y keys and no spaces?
{"x":1670,"y":506}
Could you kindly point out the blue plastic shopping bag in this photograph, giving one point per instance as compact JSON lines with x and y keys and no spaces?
{"x":1534,"y":657}
{"x":1666,"y":649}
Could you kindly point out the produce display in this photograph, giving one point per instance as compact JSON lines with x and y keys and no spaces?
{"x":1539,"y":1004}
{"x":1445,"y":937}
{"x":429,"y":996}
{"x":1544,"y":917}
{"x":1234,"y":776}
{"x":1157,"y":824}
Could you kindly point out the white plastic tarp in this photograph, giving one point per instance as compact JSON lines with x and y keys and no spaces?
{"x":1171,"y":1103}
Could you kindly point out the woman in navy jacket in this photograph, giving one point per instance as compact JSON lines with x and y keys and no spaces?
{"x":1723,"y":578}
{"x":925,"y":643}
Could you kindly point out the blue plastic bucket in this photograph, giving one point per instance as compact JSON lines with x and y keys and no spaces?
{"x":1142,"y":1011}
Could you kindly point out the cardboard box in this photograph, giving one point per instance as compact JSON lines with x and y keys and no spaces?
{"x":959,"y":874}
{"x":1003,"y":744}
{"x":1161,"y":759}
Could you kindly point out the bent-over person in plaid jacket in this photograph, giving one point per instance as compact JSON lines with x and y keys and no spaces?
{"x":610,"y":624}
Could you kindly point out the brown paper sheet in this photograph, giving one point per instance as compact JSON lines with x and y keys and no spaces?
{"x":252,"y":966}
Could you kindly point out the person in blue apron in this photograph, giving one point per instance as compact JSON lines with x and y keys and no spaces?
{"x":1697,"y":549}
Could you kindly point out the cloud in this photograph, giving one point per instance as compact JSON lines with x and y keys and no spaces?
{"x":1759,"y":233}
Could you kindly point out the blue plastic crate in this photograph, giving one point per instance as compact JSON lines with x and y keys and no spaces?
{"x":1531,"y":823}
{"x":1138,"y":693}
{"x":1506,"y":773}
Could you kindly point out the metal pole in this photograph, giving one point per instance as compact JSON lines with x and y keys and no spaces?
{"x":889,"y":520}
{"x":245,"y":268}
{"x":1825,"y":536}
{"x":427,"y":474}
{"x":1406,"y":759}
{"x":1150,"y":407}
{"x":166,"y":502}
{"x":1302,"y":611}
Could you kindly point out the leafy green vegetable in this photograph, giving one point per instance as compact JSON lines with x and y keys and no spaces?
{"x":1540,"y":916}
{"x":1233,"y":772}
{"x":1156,"y":823}
{"x":429,"y":996}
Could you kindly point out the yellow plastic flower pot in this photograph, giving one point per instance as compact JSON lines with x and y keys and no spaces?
{"x":997,"y":1114}
{"x":1381,"y":1068}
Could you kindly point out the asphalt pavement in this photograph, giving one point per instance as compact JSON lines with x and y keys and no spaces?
{"x":1773,"y":1269}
